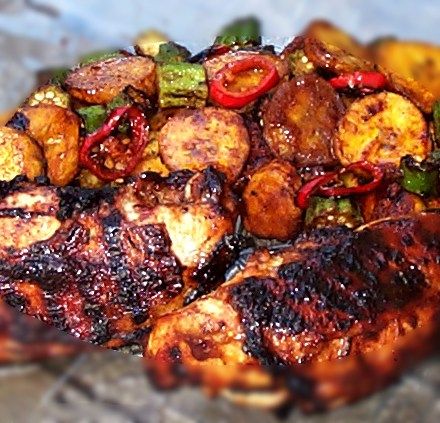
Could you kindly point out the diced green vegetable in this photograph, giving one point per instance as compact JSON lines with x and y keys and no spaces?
{"x":49,"y":94}
{"x":240,"y":32}
{"x":299,"y":63}
{"x":436,"y":118}
{"x":118,"y":101}
{"x":97,"y":56}
{"x":182,"y":85}
{"x":324,"y":212}
{"x":172,"y":53}
{"x":93,"y":117}
{"x":420,"y":178}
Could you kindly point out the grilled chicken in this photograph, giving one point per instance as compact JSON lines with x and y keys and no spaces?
{"x":313,"y":319}
{"x":24,"y":339}
{"x":103,"y":264}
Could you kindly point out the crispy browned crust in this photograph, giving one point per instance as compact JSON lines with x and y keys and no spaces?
{"x":299,"y":121}
{"x":99,"y":83}
{"x":337,"y":305}
{"x":195,"y":139}
{"x":269,"y":201}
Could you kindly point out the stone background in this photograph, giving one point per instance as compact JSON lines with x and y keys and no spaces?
{"x":110,"y":387}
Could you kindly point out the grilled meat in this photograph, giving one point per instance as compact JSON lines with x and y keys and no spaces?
{"x":103,"y":264}
{"x":25,"y":339}
{"x":313,"y":318}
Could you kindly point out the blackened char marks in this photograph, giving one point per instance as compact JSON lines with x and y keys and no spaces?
{"x":76,"y":199}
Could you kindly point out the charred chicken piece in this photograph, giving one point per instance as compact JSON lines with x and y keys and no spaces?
{"x":103,"y":264}
{"x":24,"y":339}
{"x":314,"y":318}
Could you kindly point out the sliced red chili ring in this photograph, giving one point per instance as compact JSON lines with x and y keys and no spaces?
{"x":139,"y":139}
{"x":318,"y":185}
{"x":220,"y":94}
{"x":366,"y":81}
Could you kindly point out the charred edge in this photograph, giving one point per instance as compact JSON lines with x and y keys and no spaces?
{"x":76,"y":199}
{"x":9,"y":187}
{"x":100,"y":324}
{"x":128,"y":293}
{"x":19,"y":213}
{"x":211,"y":274}
{"x":19,"y":122}
{"x":258,"y":307}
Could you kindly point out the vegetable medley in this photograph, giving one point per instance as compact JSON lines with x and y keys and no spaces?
{"x":317,"y":134}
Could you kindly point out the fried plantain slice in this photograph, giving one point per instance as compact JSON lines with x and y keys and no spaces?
{"x":331,"y":34}
{"x":335,"y":60}
{"x":382,"y":128}
{"x":196,"y":139}
{"x":57,"y":131}
{"x":416,"y":60}
{"x":19,"y":155}
{"x":101,"y":82}
{"x":269,"y":201}
{"x":300,"y":120}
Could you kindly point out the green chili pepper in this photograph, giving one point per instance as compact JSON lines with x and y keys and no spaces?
{"x":324,"y":212}
{"x":420,"y":177}
{"x":436,"y":118}
{"x":299,"y":64}
{"x":97,"y":56}
{"x":182,"y":85}
{"x":172,"y":53}
{"x":240,"y":32}
{"x":93,"y":117}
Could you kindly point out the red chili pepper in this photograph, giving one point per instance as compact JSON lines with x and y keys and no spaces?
{"x":218,"y":50}
{"x":310,"y":188}
{"x":366,"y":81}
{"x":139,"y":139}
{"x":218,"y":87}
{"x":318,"y":184}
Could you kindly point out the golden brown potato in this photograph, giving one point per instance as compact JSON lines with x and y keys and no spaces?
{"x":151,"y":161}
{"x":415,"y":60}
{"x":196,"y":139}
{"x":19,"y":155}
{"x":57,"y":131}
{"x":338,"y":61}
{"x":382,"y":128}
{"x":269,"y":201}
{"x":300,"y":120}
{"x":101,"y":82}
{"x":331,"y":34}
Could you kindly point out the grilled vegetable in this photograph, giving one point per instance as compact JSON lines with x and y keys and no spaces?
{"x":364,"y":81}
{"x":19,"y":155}
{"x":381,"y":128}
{"x":148,"y":43}
{"x":415,"y":60}
{"x":101,"y":82}
{"x":269,"y":201}
{"x":57,"y":131}
{"x":325,"y":212}
{"x":331,"y":34}
{"x":182,"y":85}
{"x":151,"y":161}
{"x":436,"y":122}
{"x":105,"y":168}
{"x":226,"y":87}
{"x":49,"y":94}
{"x":300,"y":121}
{"x":98,"y":56}
{"x":420,"y":177}
{"x":241,"y":32}
{"x":196,"y":139}
{"x":93,"y":117}
{"x":171,"y":53}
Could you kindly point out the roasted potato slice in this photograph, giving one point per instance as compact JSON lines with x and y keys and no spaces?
{"x":382,"y":128}
{"x":300,"y":120}
{"x":101,"y":82}
{"x":331,"y":34}
{"x":269,"y":201}
{"x":19,"y":155}
{"x":196,"y":139}
{"x":338,"y":61}
{"x":415,"y":60}
{"x":57,"y":131}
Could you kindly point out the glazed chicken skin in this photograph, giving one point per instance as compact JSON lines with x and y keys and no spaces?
{"x":103,"y":264}
{"x":337,"y":305}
